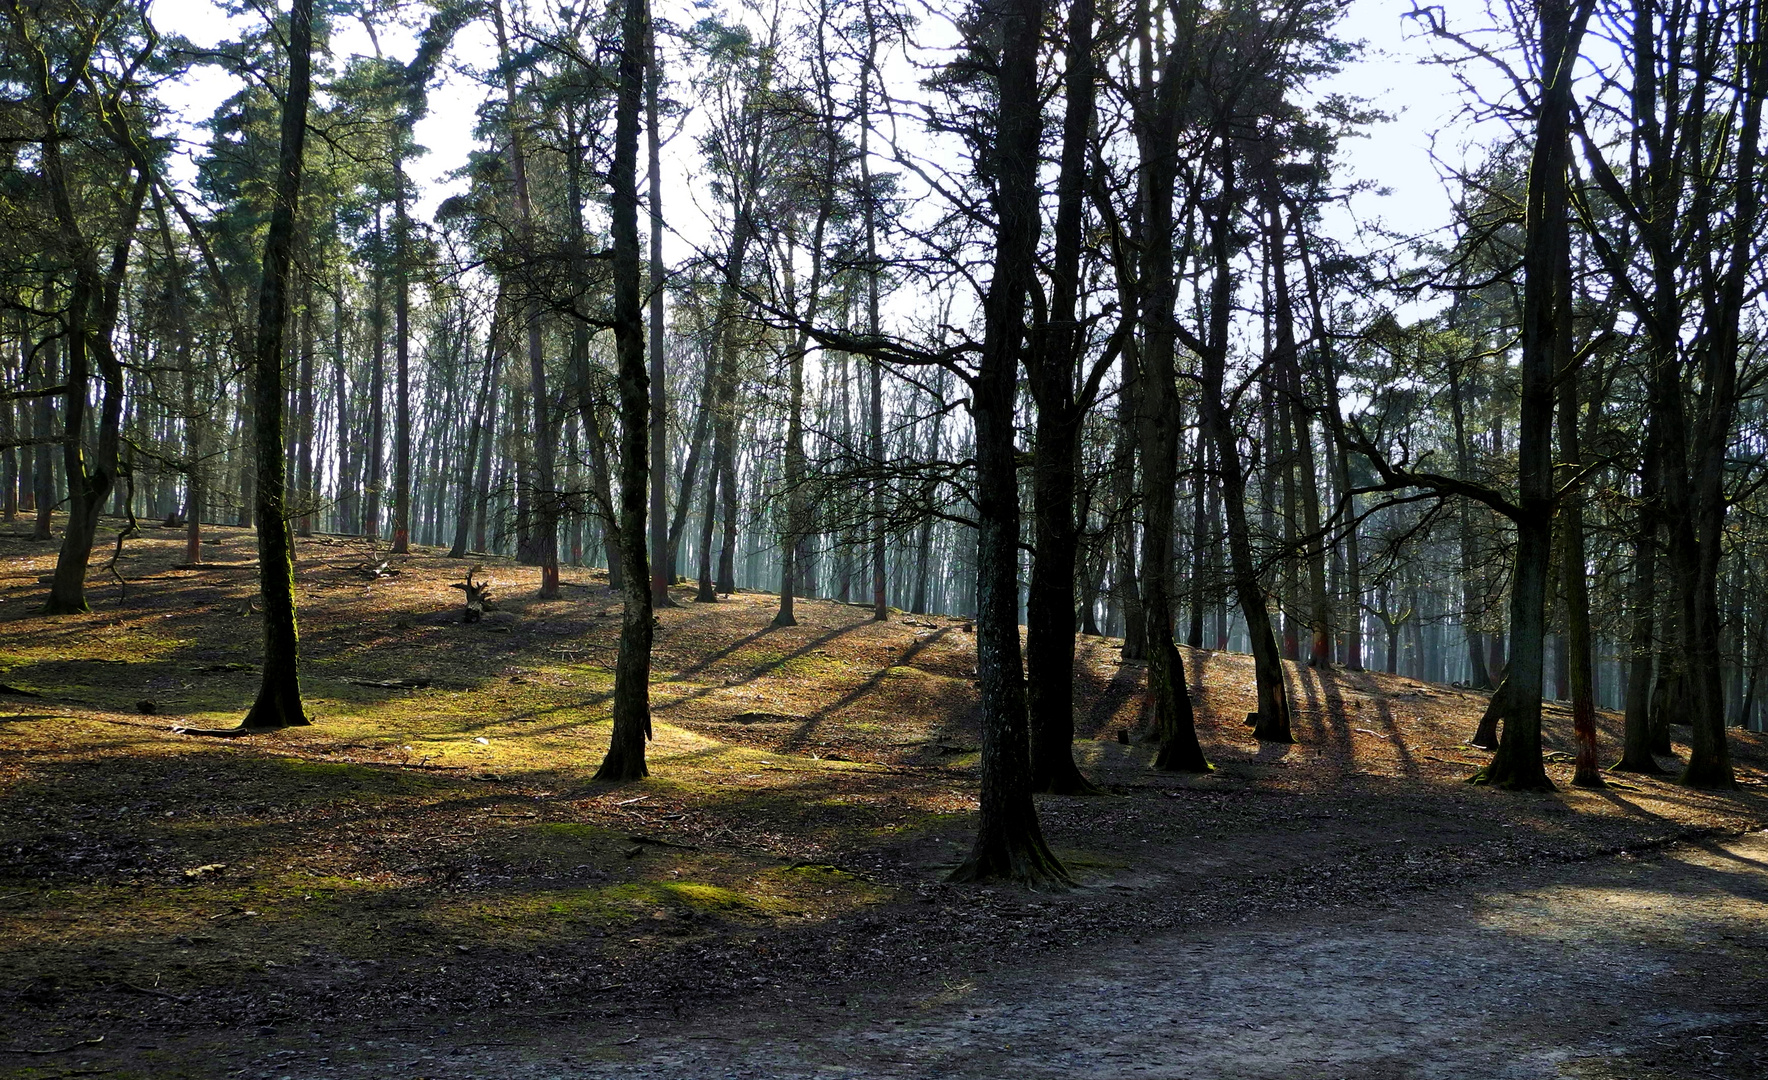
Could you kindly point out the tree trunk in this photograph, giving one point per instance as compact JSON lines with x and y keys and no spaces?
{"x":1546,"y":343}
{"x":661,"y":540}
{"x":1575,"y":586}
{"x":304,"y":424}
{"x":478,"y":438}
{"x":1009,"y":842}
{"x":1158,"y":422}
{"x":1050,"y":613}
{"x":632,"y":670}
{"x":375,"y":477}
{"x":401,"y":364}
{"x":279,"y":694}
{"x":1272,"y":718}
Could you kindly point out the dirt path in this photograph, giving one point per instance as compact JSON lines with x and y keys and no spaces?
{"x":1627,"y":967}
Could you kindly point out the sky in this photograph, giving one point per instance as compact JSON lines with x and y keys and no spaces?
{"x":1422,"y":100}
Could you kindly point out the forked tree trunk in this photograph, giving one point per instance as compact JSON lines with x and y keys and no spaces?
{"x":1158,"y":418}
{"x":1546,"y":339}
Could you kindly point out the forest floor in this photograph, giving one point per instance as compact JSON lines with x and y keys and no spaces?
{"x":427,"y":883}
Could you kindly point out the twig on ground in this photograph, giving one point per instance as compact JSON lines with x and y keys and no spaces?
{"x":52,"y":1050}
{"x":150,"y":991}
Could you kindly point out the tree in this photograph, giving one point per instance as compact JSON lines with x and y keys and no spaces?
{"x":1009,"y":841}
{"x":632,"y":670}
{"x":279,"y":704}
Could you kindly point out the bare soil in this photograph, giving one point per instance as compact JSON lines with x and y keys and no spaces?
{"x":427,"y":882}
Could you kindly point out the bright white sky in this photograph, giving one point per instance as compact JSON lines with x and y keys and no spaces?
{"x":1396,"y":155}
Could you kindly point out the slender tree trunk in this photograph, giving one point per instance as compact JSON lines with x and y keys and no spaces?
{"x":662,"y":552}
{"x":304,"y":419}
{"x":42,"y":465}
{"x":632,"y":671}
{"x":1575,"y":586}
{"x":374,"y":481}
{"x":1271,"y":721}
{"x":1050,"y":613}
{"x":279,"y":704}
{"x":478,"y":440}
{"x":401,"y":365}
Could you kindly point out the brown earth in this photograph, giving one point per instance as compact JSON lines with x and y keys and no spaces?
{"x":427,"y":883}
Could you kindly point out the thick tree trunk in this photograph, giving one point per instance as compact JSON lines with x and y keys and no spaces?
{"x":1009,"y":842}
{"x":1158,"y":425}
{"x":1546,"y":340}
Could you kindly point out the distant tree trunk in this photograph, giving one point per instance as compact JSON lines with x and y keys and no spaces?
{"x":1123,"y":486}
{"x":662,"y":550}
{"x":348,"y":490}
{"x":924,"y":543}
{"x":869,"y":211}
{"x":401,"y":364}
{"x":684,"y":492}
{"x":1319,"y":606}
{"x":542,"y":548}
{"x":1009,"y":842}
{"x":195,"y":452}
{"x":304,"y":416}
{"x":278,"y":704}
{"x":1575,"y":645}
{"x":632,"y":709}
{"x":707,"y":592}
{"x":478,"y":436}
{"x":43,"y":424}
{"x":794,"y":532}
{"x":482,"y":486}
{"x":374,"y":479}
{"x":1200,"y":541}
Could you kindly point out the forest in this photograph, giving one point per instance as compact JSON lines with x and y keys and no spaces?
{"x":822,"y":502}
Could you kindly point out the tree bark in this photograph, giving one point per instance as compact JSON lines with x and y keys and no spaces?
{"x":1009,"y":841}
{"x":1050,"y":612}
{"x":1546,"y":339}
{"x":279,"y":704}
{"x":632,"y":670}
